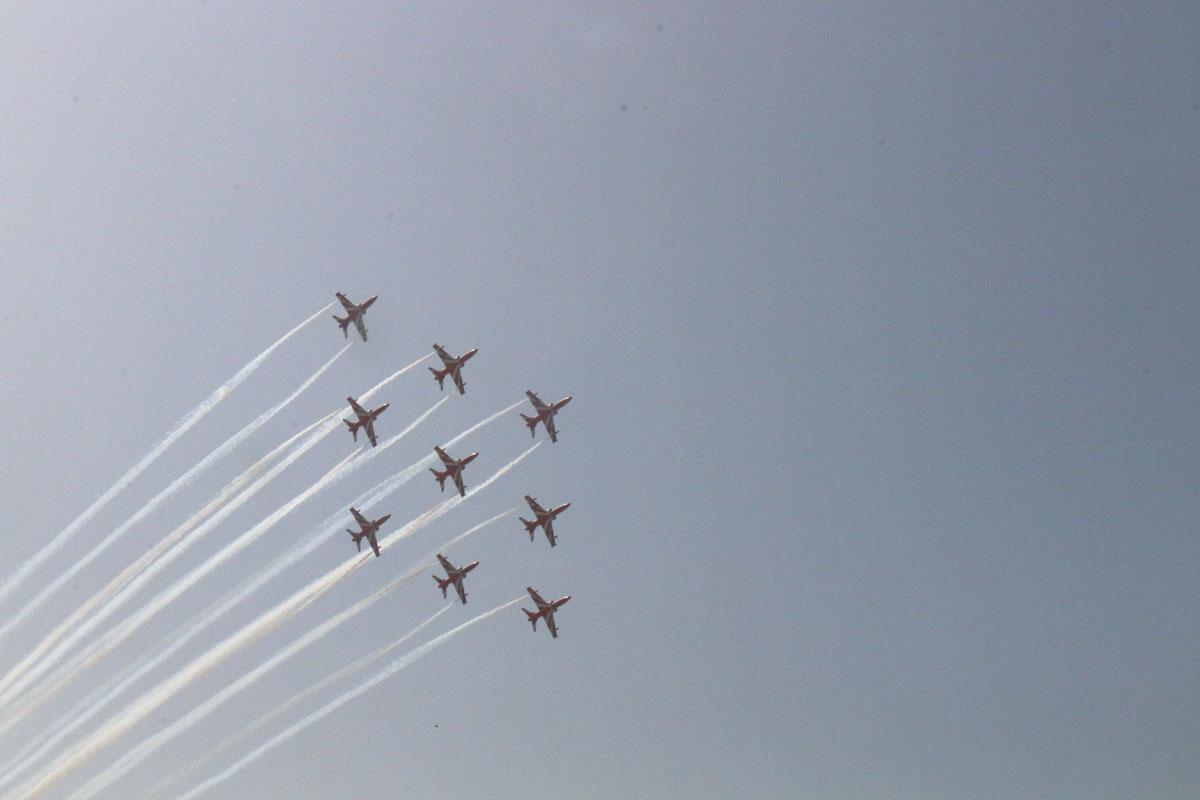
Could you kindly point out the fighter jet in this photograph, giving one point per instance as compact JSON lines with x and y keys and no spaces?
{"x":369,"y":529}
{"x":366,"y":419}
{"x":544,"y":517}
{"x":453,"y":470}
{"x":354,"y":313}
{"x":545,"y":610}
{"x":454,"y":575}
{"x":451,"y":366}
{"x":545,"y":414}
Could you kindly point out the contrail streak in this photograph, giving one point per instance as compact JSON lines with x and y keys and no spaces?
{"x":78,"y":716}
{"x":296,"y":699}
{"x":337,"y":703}
{"x":70,"y":624}
{"x":115,"y":636}
{"x":151,"y":564}
{"x":251,"y":633}
{"x":182,"y":427}
{"x":186,"y":478}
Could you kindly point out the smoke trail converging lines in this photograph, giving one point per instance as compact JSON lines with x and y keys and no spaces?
{"x":249,"y":634}
{"x":83,"y":712}
{"x":154,"y":562}
{"x":295,"y":700}
{"x":195,"y":415}
{"x":115,"y":636}
{"x":70,"y":624}
{"x":183,"y":480}
{"x":337,"y":703}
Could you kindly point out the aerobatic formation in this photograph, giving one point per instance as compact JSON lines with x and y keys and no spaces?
{"x":48,"y":756}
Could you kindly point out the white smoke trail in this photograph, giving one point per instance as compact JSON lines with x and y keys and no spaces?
{"x":249,"y":634}
{"x":83,"y":712}
{"x":151,"y":563}
{"x":115,"y":636}
{"x":93,"y":551}
{"x":71,"y":623}
{"x":153,"y":743}
{"x":335,"y":704}
{"x":295,"y":700}
{"x":195,"y":415}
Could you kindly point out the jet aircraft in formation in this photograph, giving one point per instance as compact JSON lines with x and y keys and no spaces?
{"x":545,"y":414}
{"x":544,"y":611}
{"x":354,"y":313}
{"x":454,"y":575}
{"x":366,"y":419}
{"x":453,"y":470}
{"x":542,"y":516}
{"x":368,"y":530}
{"x":451,"y":366}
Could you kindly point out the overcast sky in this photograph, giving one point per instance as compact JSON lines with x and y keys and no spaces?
{"x":880,"y":322}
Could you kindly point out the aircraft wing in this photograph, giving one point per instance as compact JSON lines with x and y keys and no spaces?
{"x":550,"y":429}
{"x":346,"y":304}
{"x":458,"y":481}
{"x":374,"y":543}
{"x":458,"y":381}
{"x":548,"y":527}
{"x":537,"y":598}
{"x":443,"y":355}
{"x":359,"y":518}
{"x":550,"y":624}
{"x":362,"y":327}
{"x":533,"y":504}
{"x":355,"y":407}
{"x":446,"y":565}
{"x":462,"y":593}
{"x":371,"y":431}
{"x":446,"y":460}
{"x":537,"y":401}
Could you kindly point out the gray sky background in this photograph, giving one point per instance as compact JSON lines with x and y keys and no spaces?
{"x":880,"y":321}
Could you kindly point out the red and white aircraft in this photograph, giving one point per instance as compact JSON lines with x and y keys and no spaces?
{"x":453,"y":470}
{"x":451,"y":366}
{"x":454,"y":575}
{"x":544,"y":610}
{"x":545,"y":414}
{"x":369,"y":529}
{"x":354,"y":313}
{"x":544,"y":517}
{"x":366,"y":419}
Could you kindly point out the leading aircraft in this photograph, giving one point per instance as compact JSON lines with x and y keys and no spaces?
{"x":366,"y":419}
{"x":453,"y":470}
{"x":369,"y":529}
{"x":354,"y":313}
{"x":454,"y":575}
{"x":544,"y":610}
{"x":451,"y":366}
{"x":545,"y":414}
{"x":542,"y":516}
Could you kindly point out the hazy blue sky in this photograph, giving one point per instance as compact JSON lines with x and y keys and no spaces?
{"x":880,"y":320}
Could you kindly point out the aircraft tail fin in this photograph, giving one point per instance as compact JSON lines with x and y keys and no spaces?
{"x":442,"y":584}
{"x":531,"y":616}
{"x":439,"y":375}
{"x":344,"y":324}
{"x":441,"y":478}
{"x":353,"y":426}
{"x":530,"y":422}
{"x":529,"y":526}
{"x":357,"y":539}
